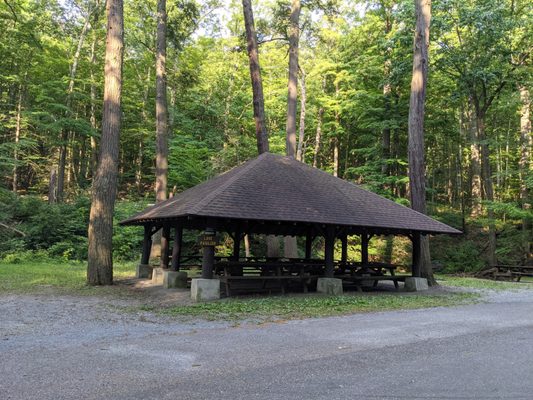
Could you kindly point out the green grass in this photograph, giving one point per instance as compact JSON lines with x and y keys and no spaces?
{"x":314,"y":305}
{"x":59,"y":275}
{"x":476,"y":283}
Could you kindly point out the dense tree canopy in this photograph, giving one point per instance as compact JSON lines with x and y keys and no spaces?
{"x":355,"y":61}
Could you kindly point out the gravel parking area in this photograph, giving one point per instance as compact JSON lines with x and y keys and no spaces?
{"x":65,"y":347}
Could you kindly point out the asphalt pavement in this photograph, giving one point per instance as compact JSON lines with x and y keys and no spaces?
{"x":61,"y":347}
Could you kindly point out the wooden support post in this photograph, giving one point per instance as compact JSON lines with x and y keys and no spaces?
{"x":364,"y":248}
{"x":176,"y":249}
{"x":415,"y":267}
{"x":328,"y":251}
{"x":165,"y":239}
{"x":147,"y":245}
{"x":344,"y":253}
{"x":308,"y":245}
{"x":236,"y":244}
{"x":208,"y":256}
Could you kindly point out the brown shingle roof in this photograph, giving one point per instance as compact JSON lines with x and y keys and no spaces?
{"x":276,"y":188}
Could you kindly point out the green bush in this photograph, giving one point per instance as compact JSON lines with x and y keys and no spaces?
{"x":59,"y":230}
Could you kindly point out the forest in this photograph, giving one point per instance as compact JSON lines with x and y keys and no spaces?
{"x":188,"y":112}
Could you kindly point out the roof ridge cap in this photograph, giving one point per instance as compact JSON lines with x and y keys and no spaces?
{"x":211,"y":196}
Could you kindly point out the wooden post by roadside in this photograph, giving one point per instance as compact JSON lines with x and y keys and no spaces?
{"x":176,"y":249}
{"x":344,"y":253}
{"x":165,"y":238}
{"x":237,"y":244}
{"x":415,"y":267}
{"x":147,"y":245}
{"x":328,"y":251}
{"x":208,"y":259}
{"x":308,"y":245}
{"x":364,"y":249}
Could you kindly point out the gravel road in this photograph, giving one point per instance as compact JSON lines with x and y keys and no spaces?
{"x":65,"y":347}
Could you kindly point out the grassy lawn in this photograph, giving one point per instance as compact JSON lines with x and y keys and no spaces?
{"x":64,"y":277}
{"x":314,"y":305}
{"x":69,"y":278}
{"x":476,"y":283}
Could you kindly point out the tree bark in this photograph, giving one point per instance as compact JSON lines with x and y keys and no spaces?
{"x":387,"y":88}
{"x":294,"y":36}
{"x":318,"y":136}
{"x":417,"y":183}
{"x":303,"y":100}
{"x":526,"y":143}
{"x":475,"y":165}
{"x":161,"y":108}
{"x":488,"y":190}
{"x":335,"y":156}
{"x":18,"y":119}
{"x":290,"y":245}
{"x":100,"y":234}
{"x":94,"y":145}
{"x":63,"y":149}
{"x":261,"y":133}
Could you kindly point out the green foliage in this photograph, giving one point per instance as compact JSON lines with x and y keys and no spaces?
{"x":59,"y":231}
{"x":295,"y":307}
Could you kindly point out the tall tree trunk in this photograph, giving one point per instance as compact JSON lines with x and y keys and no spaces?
{"x":294,"y":36}
{"x":144,"y":113}
{"x":475,"y":165}
{"x":63,"y":149}
{"x":335,"y":156}
{"x":261,"y":133}
{"x":161,"y":114}
{"x":18,"y":119}
{"x":386,"y":131}
{"x":161,"y":109}
{"x":526,"y":143}
{"x":417,"y":183}
{"x":94,"y":126}
{"x":104,"y":189}
{"x":301,"y":136}
{"x":318,"y":136}
{"x":290,"y":248}
{"x":486,"y":176}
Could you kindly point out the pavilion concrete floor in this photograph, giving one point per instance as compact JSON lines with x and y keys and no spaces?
{"x":65,"y":347}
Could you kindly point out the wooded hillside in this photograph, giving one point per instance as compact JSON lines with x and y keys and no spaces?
{"x":354,"y":68}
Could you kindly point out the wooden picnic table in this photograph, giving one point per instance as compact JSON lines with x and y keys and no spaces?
{"x":262,"y":275}
{"x":512,"y":271}
{"x":359,"y":273}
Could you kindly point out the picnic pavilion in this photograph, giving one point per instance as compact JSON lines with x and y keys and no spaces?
{"x":277,"y":195}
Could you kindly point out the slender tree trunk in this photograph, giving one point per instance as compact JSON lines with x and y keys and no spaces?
{"x":525,"y":166}
{"x":94,"y":147}
{"x":18,"y":119}
{"x":303,"y":99}
{"x":104,"y":189}
{"x":161,"y":113}
{"x":475,"y":166}
{"x":335,"y":156}
{"x":486,"y":176}
{"x":386,"y":132}
{"x":52,"y":185}
{"x":261,"y":133}
{"x":294,"y":36}
{"x":318,"y":136}
{"x":63,"y":149}
{"x":161,"y":109}
{"x":417,"y":183}
{"x":290,"y":248}
{"x":140,"y":148}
